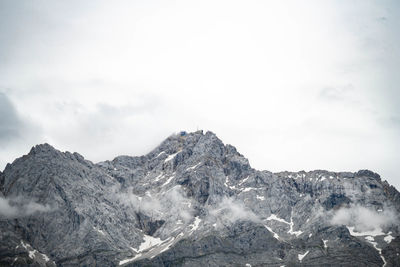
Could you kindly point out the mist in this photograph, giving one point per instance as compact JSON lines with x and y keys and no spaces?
{"x":364,"y":219}
{"x":17,"y":207}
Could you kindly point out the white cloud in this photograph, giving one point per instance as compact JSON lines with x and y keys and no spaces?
{"x":229,"y":210}
{"x":161,"y":206}
{"x":125,"y":75}
{"x":364,"y":219}
{"x":17,"y":207}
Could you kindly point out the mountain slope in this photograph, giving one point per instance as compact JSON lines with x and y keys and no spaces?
{"x":191,"y":201}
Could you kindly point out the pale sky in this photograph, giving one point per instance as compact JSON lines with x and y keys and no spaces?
{"x":293,"y":85}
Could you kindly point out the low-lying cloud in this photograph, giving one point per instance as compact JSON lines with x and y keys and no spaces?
{"x":15,"y":208}
{"x":364,"y":219}
{"x":229,"y":210}
{"x":172,"y":202}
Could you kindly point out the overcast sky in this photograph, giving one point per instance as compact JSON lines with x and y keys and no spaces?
{"x":294,"y":85}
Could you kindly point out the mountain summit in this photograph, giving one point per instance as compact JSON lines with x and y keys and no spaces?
{"x":191,"y":201}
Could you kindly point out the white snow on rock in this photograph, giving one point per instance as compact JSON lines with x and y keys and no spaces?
{"x":195,"y":224}
{"x":130,"y":259}
{"x":227,"y":185}
{"x":325,"y":243}
{"x":276,"y":236}
{"x":171,"y":156}
{"x":260,"y":197}
{"x":33,"y":253}
{"x":244,"y":180}
{"x":169,"y":180}
{"x":323,"y":178}
{"x":167,"y":245}
{"x":100,"y":231}
{"x":247,"y":189}
{"x":296,"y":233}
{"x":301,"y":256}
{"x":148,"y":242}
{"x":388,"y":238}
{"x":375,"y":232}
{"x":291,"y":224}
{"x":371,"y":240}
{"x":158,"y":177}
{"x":276,"y":218}
{"x":193,"y":167}
{"x":248,"y":265}
{"x":162,"y":152}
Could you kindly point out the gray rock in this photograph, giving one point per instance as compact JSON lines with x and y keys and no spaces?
{"x":191,"y":201}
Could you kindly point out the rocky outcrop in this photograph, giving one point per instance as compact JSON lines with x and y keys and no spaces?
{"x":191,"y":201}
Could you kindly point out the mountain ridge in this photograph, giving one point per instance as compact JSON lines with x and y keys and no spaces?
{"x":191,"y":201}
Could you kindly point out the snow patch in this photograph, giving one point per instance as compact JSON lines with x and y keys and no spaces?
{"x":275,"y":234}
{"x":244,"y":180}
{"x":291,"y":224}
{"x":169,"y":180}
{"x":247,"y":189}
{"x":33,"y":253}
{"x":100,"y":231}
{"x":195,"y":224}
{"x":171,"y":156}
{"x":162,"y":152}
{"x":296,"y":233}
{"x":276,"y":218}
{"x":301,"y":256}
{"x":148,"y":242}
{"x":193,"y":167}
{"x":130,"y":259}
{"x":371,"y":240}
{"x":158,"y":177}
{"x":260,"y":197}
{"x":375,"y":232}
{"x":388,"y":238}
{"x":325,"y":243}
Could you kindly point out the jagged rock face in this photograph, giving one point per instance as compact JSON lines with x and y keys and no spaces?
{"x":191,"y":201}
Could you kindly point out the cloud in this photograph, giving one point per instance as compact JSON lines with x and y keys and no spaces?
{"x":364,"y":219}
{"x":336,"y":93}
{"x":10,"y":123}
{"x":17,"y":207}
{"x":229,"y":210}
{"x":270,"y":83}
{"x":160,"y":206}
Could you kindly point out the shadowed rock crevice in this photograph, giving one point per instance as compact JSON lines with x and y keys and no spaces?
{"x":147,"y":224}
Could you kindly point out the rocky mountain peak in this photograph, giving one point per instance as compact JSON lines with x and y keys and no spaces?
{"x":191,"y":201}
{"x":43,"y":148}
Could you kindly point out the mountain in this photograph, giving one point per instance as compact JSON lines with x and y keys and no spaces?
{"x":192,"y":201}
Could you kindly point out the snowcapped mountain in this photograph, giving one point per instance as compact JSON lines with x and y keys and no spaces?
{"x":191,"y":201}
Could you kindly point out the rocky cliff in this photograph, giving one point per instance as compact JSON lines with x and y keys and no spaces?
{"x":191,"y":201}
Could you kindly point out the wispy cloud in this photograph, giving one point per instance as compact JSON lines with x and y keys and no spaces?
{"x":18,"y":207}
{"x":230,"y":210}
{"x":364,"y":219}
